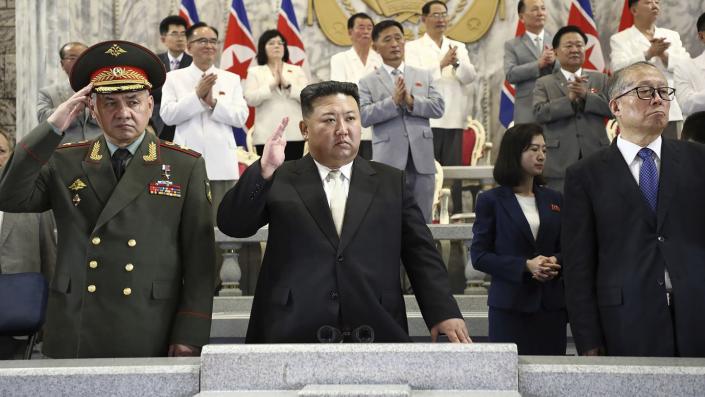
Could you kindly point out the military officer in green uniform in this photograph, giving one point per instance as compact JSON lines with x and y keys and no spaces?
{"x":135,"y":267}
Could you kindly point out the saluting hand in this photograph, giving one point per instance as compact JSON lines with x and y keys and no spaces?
{"x":273,"y":152}
{"x":65,"y":113}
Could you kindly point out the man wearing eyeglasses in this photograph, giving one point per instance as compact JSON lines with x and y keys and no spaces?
{"x":204,"y":103}
{"x":172,"y":30}
{"x":633,"y":231}
{"x":572,"y":105}
{"x":83,"y":127}
{"x":448,"y":62}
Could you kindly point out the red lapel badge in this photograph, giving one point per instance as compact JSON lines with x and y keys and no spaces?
{"x":555,"y":208}
{"x":418,"y":84}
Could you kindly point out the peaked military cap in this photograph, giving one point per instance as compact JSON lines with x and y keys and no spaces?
{"x":117,"y":66}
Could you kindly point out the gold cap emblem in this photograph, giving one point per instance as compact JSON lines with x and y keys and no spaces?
{"x":115,"y":50}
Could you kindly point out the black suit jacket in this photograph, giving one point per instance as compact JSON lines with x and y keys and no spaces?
{"x":165,"y":132}
{"x":615,"y":251}
{"x":310,"y":277}
{"x":502,"y":242}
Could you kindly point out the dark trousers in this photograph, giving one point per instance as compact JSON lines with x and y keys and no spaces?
{"x":448,"y":150}
{"x":539,"y":333}
{"x":293,"y":150}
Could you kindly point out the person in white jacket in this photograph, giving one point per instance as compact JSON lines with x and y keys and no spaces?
{"x":644,"y":41}
{"x":688,"y":78}
{"x":353,"y":64}
{"x":273,"y":88}
{"x":204,"y":103}
{"x":452,"y":71}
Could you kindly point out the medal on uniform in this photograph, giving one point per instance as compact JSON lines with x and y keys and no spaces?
{"x":165,"y":187}
{"x":75,"y":186}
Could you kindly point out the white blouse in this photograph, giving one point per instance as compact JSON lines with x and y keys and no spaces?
{"x":531,"y":212}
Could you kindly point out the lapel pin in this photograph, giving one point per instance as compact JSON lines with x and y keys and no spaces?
{"x":76,"y":200}
{"x":555,"y":208}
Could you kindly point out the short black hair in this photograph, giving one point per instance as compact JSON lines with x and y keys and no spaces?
{"x":192,"y":28}
{"x":62,"y":49}
{"x":325,"y":88}
{"x":171,"y":20}
{"x":381,"y":26}
{"x":701,"y":23}
{"x":520,"y":7}
{"x":694,"y":127}
{"x":427,"y":7}
{"x":507,"y":168}
{"x":567,"y":29}
{"x":632,"y":2}
{"x":262,"y":43}
{"x":361,"y":15}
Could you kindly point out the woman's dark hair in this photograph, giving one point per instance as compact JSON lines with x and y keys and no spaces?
{"x":507,"y":168}
{"x":262,"y":52}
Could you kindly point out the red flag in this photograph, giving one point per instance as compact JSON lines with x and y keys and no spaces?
{"x":580,"y":15}
{"x":627,"y":18}
{"x":289,"y":28}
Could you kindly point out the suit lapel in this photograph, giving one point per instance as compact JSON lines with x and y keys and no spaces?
{"x":139,"y":172}
{"x":668,"y":179}
{"x":530,"y":45}
{"x":185,"y":61}
{"x":616,"y":168}
{"x":363,"y":186}
{"x":511,"y":205}
{"x":385,"y":79}
{"x":561,"y":82}
{"x":543,"y":205}
{"x":310,"y":189}
{"x":96,"y":165}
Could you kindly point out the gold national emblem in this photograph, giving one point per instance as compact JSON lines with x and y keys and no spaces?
{"x":115,"y":50}
{"x":77,"y":185}
{"x":151,"y":152}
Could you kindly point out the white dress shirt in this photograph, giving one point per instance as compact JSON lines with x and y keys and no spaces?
{"x":570,"y":76}
{"x":174,"y":62}
{"x":323,"y":171}
{"x":538,"y":40}
{"x":689,"y":79}
{"x":347,"y":66}
{"x":531,"y":212}
{"x":451,"y":82}
{"x":630,"y":45}
{"x":207,"y":131}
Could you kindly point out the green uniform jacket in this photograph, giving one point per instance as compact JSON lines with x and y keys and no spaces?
{"x":135,"y":268}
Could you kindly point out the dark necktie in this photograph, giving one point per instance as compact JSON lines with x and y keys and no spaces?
{"x":648,"y":177}
{"x":119,"y":160}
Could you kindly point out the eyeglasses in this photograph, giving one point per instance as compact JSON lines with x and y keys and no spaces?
{"x":177,"y":35}
{"x":204,"y":41}
{"x":648,"y":93}
{"x":438,"y":15}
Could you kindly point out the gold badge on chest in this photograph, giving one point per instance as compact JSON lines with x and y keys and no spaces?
{"x":165,"y":187}
{"x":75,"y":187}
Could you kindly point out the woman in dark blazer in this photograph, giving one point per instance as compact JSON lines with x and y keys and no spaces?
{"x":516,"y":240}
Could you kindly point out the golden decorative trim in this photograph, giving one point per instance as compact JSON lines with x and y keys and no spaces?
{"x":124,"y":75}
{"x":151,"y":152}
{"x":113,"y":88}
{"x":95,"y":152}
{"x":115,"y":51}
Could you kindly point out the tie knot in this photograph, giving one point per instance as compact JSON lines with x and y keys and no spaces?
{"x":121,"y":154}
{"x":396,"y":72}
{"x":646,"y":154}
{"x":333,"y":175}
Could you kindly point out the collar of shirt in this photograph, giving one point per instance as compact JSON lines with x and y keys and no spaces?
{"x":570,"y":75}
{"x":177,"y":59}
{"x":534,"y":36}
{"x":629,"y":151}
{"x":194,"y":70}
{"x":389,"y":69}
{"x":132,"y":148}
{"x":323,"y":171}
{"x":445,"y":44}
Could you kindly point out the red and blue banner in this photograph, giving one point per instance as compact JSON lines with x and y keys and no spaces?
{"x":188,"y":12}
{"x":506,"y":96}
{"x":239,"y":49}
{"x":289,"y":28}
{"x":580,"y":15}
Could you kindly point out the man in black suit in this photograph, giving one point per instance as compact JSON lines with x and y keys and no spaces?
{"x":173,"y":35}
{"x":338,"y":227}
{"x":633,"y":232}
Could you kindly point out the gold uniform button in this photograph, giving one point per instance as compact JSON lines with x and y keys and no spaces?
{"x":95,"y":240}
{"x":91,"y":288}
{"x":93,"y":264}
{"x":131,"y":242}
{"x":127,"y":291}
{"x":129,"y":267}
